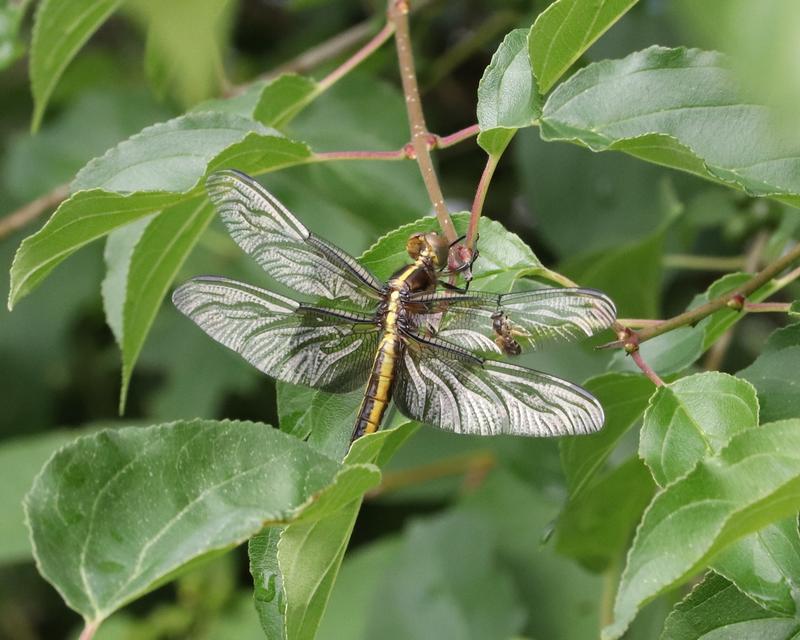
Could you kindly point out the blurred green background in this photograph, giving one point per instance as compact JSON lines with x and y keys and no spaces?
{"x":467,"y":553}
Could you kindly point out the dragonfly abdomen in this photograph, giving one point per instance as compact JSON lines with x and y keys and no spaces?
{"x":378,"y":393}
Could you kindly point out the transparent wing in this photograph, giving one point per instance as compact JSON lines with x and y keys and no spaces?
{"x":534,"y":316}
{"x":320,"y":348}
{"x":283,"y":247}
{"x":446,"y":387}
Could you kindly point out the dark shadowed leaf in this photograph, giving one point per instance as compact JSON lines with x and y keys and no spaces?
{"x":624,"y":398}
{"x":596,"y":527}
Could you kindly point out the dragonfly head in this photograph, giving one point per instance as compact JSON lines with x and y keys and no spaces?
{"x":428,"y":245}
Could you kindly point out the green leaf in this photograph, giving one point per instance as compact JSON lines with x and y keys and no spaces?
{"x":680,"y":108}
{"x":174,"y":154}
{"x":754,"y":481}
{"x":775,"y":375}
{"x":624,"y":398}
{"x":117,"y":257}
{"x":164,"y":245}
{"x":566,"y":29}
{"x":692,"y":419}
{"x":84,"y":217}
{"x":507,"y":95}
{"x":257,"y":153}
{"x":294,"y":570}
{"x":117,"y":513}
{"x":717,"y":609}
{"x":60,"y":29}
{"x":794,"y":309}
{"x":765,"y":566}
{"x":168,"y":156}
{"x":20,"y":461}
{"x":595,"y":528}
{"x":282,"y":98}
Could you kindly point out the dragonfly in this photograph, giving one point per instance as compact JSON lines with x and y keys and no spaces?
{"x":434,"y":350}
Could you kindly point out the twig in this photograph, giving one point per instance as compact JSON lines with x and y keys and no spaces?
{"x":324,"y":156}
{"x":704,"y":263}
{"x":480,"y":197}
{"x":442,"y":142}
{"x":555,"y":276}
{"x":734,"y":299}
{"x":793,"y":275}
{"x":315,"y":56}
{"x":470,"y":465}
{"x":421,"y":138}
{"x":766,"y":307}
{"x":32,"y":210}
{"x":646,"y":369}
{"x":638,"y":323}
{"x":89,"y":629}
{"x":358,"y":57}
{"x":716,"y":354}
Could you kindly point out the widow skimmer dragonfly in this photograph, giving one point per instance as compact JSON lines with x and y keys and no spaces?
{"x":406,"y":340}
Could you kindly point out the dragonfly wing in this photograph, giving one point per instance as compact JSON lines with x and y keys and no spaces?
{"x":288,"y":341}
{"x":449,"y":388}
{"x":283,"y":247}
{"x":535,"y":316}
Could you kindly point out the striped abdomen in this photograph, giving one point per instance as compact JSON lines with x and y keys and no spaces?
{"x":379,"y":387}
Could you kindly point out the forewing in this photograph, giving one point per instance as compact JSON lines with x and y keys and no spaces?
{"x":280,"y":337}
{"x":283,"y":247}
{"x":539,"y":316}
{"x":454,"y":391}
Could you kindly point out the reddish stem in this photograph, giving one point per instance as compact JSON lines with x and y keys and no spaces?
{"x":480,"y":198}
{"x":399,"y":154}
{"x":646,"y":369}
{"x":421,"y":138}
{"x":358,"y":57}
{"x":442,"y":142}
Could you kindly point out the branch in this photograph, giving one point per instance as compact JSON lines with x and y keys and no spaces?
{"x":766,"y":307}
{"x":470,"y":465}
{"x":358,"y":57}
{"x":480,"y":197}
{"x":315,"y":56}
{"x":735,"y":299}
{"x":442,"y":142}
{"x":33,"y":210}
{"x":324,"y":156}
{"x":704,"y":263}
{"x":646,"y":369}
{"x":421,"y":138}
